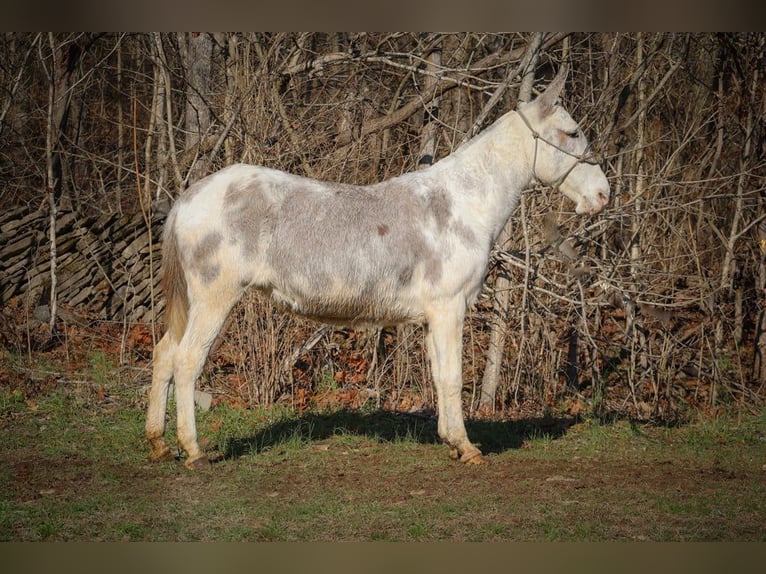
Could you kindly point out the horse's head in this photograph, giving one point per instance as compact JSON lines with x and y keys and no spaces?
{"x":558,"y":151}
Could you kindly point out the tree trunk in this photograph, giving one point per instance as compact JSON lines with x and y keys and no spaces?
{"x":64,"y":60}
{"x":428,"y":133}
{"x":499,"y":331}
{"x":229,"y":45}
{"x":161,"y":153}
{"x":55,"y":103}
{"x":121,"y":167}
{"x":759,"y":366}
{"x":63,"y":64}
{"x":197,"y":51}
{"x":728,"y":285}
{"x":639,"y":351}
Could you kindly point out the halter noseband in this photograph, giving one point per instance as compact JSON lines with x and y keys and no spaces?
{"x":585,"y":157}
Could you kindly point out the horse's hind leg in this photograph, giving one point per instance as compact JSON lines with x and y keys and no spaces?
{"x":205,"y":321}
{"x":163,"y":359}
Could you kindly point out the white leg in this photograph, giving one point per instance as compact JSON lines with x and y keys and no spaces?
{"x":205,"y":322}
{"x":163,"y":359}
{"x":444,"y":343}
{"x":435,"y":374}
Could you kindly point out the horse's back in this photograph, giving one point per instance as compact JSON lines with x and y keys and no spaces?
{"x":336,"y":252}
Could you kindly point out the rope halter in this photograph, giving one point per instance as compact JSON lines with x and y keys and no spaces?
{"x":585,"y":157}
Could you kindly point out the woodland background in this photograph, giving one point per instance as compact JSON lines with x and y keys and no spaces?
{"x":651,"y":310}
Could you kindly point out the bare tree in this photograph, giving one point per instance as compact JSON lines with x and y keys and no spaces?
{"x":495,"y":352}
{"x":196,"y":50}
{"x":650,"y":308}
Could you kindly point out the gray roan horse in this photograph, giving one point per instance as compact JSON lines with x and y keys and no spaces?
{"x":414,"y":248}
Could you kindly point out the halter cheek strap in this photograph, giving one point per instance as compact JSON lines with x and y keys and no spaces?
{"x":585,"y":157}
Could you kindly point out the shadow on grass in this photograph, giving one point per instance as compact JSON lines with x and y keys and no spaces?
{"x":491,"y":436}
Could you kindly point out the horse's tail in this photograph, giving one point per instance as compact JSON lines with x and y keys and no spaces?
{"x":173,"y":283}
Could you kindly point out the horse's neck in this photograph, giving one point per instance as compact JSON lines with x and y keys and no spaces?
{"x":487,"y":175}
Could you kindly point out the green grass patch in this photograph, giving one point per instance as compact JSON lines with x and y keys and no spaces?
{"x":76,"y":469}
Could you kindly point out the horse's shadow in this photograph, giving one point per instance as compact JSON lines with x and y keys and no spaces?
{"x":492,"y":436}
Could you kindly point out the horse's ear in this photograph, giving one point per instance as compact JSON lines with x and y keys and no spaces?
{"x":548,"y":98}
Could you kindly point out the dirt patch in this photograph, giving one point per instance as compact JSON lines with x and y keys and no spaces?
{"x":363,"y":493}
{"x":76,"y":470}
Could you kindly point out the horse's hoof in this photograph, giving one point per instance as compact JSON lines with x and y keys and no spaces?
{"x":454,"y":454}
{"x":199,"y":463}
{"x":159,"y":453}
{"x":161,"y":456}
{"x":472,"y":457}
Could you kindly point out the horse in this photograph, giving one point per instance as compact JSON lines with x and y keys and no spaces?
{"x":413,"y":248}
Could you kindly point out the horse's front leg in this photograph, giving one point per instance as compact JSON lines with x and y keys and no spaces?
{"x":444,"y":343}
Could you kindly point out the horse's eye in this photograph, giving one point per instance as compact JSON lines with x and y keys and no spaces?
{"x":574,"y":134}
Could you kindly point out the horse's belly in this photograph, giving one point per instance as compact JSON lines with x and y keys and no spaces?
{"x":349,"y":305}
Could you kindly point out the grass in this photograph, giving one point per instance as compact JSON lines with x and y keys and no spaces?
{"x":74,"y":468}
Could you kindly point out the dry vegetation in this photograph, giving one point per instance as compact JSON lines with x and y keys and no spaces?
{"x":651,"y":310}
